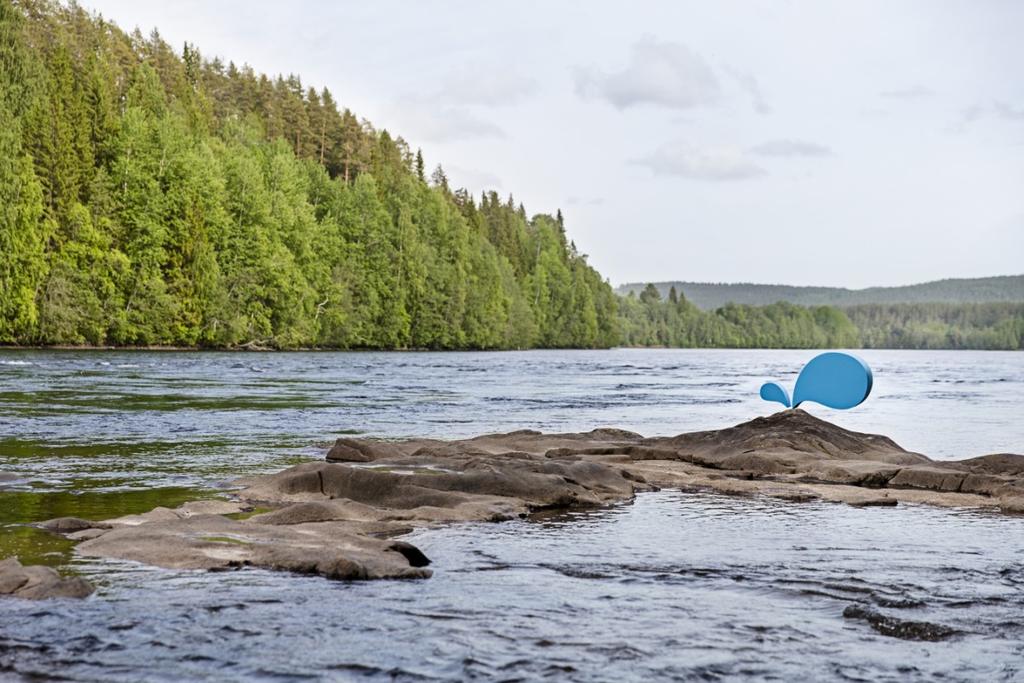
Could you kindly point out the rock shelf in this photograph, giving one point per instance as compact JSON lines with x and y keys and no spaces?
{"x":339,"y":518}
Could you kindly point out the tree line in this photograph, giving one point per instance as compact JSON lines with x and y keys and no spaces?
{"x":996,"y":326}
{"x":649,"y":320}
{"x":157,"y":198}
{"x":711,"y":295}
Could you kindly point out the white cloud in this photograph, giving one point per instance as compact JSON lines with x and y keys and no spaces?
{"x":750,"y":85}
{"x":998,"y":109}
{"x":423,"y":119}
{"x":490,"y":88}
{"x":472,"y":179}
{"x":659,"y":73}
{"x":913,"y":92}
{"x":584,"y":201}
{"x":693,"y":163}
{"x":790,"y":148}
{"x":549,"y":144}
{"x":1008,"y":112}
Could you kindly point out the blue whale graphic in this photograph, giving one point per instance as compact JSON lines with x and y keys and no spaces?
{"x":833,"y":379}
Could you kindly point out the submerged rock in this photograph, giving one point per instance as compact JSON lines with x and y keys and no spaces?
{"x":39,"y":583}
{"x":8,"y":479}
{"x":894,"y":627}
{"x":67,"y":525}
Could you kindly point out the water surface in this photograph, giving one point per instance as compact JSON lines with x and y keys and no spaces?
{"x":674,"y":585}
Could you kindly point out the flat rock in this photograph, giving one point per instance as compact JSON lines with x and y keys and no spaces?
{"x":86,"y":534}
{"x":478,"y":480}
{"x":1012,"y":504}
{"x":928,"y":477}
{"x":317,"y":511}
{"x":865,"y":473}
{"x":67,"y":525}
{"x":360,"y":450}
{"x":211,"y":507}
{"x":338,"y":518}
{"x":157,"y":514}
{"x":39,"y":583}
{"x":990,"y":485}
{"x":214,"y":542}
{"x":1008,"y":464}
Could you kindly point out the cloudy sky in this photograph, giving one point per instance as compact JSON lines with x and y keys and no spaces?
{"x":848,"y":144}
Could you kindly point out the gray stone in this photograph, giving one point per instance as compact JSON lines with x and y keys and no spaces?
{"x":67,"y":525}
{"x":39,"y":583}
{"x":338,"y":518}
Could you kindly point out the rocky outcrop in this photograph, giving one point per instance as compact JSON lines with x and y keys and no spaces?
{"x":793,"y":446}
{"x":790,"y":455}
{"x":1007,"y":464}
{"x":38,"y":583}
{"x":338,"y":520}
{"x":338,"y":517}
{"x":328,"y":548}
{"x":787,"y":439}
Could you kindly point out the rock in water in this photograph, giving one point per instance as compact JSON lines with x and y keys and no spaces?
{"x":903,"y":629}
{"x":67,"y":525}
{"x":333,"y":549}
{"x":338,"y":518}
{"x":39,"y":583}
{"x":8,"y":478}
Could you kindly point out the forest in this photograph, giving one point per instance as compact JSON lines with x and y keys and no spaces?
{"x":711,"y":295}
{"x":650,"y":320}
{"x":154,"y":197}
{"x":996,"y":326}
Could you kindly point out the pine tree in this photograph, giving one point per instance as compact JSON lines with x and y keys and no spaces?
{"x":650,"y":295}
{"x":22,"y":264}
{"x":151,"y":197}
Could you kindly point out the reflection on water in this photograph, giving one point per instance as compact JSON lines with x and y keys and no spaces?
{"x":686,"y":586}
{"x":33,"y":546}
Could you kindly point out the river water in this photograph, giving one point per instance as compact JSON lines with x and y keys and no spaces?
{"x":671,"y":586}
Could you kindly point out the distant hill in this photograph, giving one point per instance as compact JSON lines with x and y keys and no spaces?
{"x":712,"y":295}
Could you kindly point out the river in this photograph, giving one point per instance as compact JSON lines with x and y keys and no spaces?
{"x":671,"y":586}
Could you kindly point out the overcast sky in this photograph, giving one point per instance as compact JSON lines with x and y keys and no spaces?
{"x":848,"y":144}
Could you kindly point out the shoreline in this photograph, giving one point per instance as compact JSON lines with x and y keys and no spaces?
{"x":317,"y":349}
